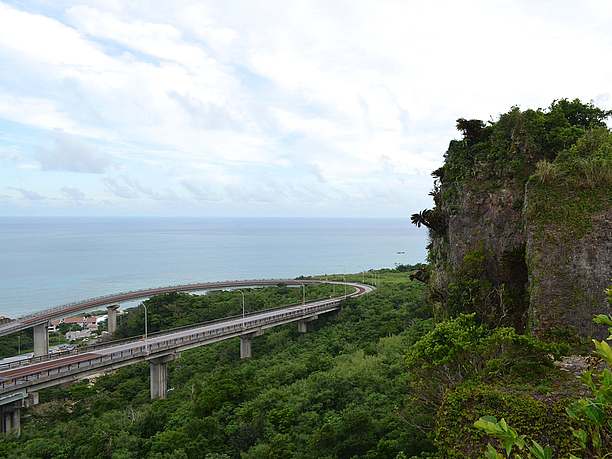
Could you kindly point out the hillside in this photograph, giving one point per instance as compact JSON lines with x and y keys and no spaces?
{"x":339,"y":391}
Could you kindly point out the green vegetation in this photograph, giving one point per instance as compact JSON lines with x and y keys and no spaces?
{"x":540,"y":176}
{"x":462,"y":370}
{"x":23,"y":342}
{"x":18,"y":343}
{"x":510,"y":440}
{"x":566,"y":193}
{"x":592,"y":415}
{"x":339,"y":391}
{"x":65,"y":328}
{"x":508,"y":146}
{"x":377,"y":381}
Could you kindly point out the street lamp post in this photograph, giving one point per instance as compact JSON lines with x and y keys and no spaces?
{"x":344,"y":278}
{"x":146,"y":327}
{"x":243,"y":309}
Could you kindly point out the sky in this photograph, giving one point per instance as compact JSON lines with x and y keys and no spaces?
{"x":269,"y":108}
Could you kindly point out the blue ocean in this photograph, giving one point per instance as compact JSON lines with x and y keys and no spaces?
{"x":50,"y":261}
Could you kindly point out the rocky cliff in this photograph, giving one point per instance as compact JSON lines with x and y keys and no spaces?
{"x":521,"y":231}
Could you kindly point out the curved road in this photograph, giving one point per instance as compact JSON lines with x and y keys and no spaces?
{"x":35,"y":376}
{"x":65,"y":310}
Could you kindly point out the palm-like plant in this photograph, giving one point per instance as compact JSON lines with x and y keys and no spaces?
{"x":434,"y":219}
{"x":420,"y":218}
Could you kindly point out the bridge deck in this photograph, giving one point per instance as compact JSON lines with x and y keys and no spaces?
{"x":52,"y":372}
{"x":43,"y":366}
{"x":65,"y":310}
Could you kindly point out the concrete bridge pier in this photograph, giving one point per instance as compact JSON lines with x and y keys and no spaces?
{"x":303,"y":324}
{"x":159,"y":376}
{"x":111,"y":318}
{"x":10,"y":418}
{"x":41,"y":339}
{"x":245,"y":343}
{"x":33,"y":399}
{"x":245,"y":346}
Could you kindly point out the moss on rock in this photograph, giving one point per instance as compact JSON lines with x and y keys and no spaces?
{"x":455,"y":436}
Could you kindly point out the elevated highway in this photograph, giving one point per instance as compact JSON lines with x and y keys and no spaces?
{"x":19,"y":384}
{"x":39,"y":321}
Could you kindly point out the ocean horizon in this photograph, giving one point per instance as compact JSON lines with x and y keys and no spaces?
{"x":47,"y":261}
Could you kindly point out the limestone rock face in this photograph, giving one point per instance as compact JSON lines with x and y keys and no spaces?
{"x":558,"y":275}
{"x":487,"y":221}
{"x":568,"y":276}
{"x":521,"y":231}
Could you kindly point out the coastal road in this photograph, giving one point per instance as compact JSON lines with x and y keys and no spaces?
{"x":62,"y":369}
{"x":65,"y":310}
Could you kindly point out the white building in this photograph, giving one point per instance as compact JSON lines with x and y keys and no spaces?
{"x":74,"y":335}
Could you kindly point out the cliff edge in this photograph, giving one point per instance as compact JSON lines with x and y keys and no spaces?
{"x":521,"y":231}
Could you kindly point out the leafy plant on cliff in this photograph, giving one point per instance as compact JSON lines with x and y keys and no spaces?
{"x":462,"y":349}
{"x":510,"y":440}
{"x":593,"y":414}
{"x":545,"y":172}
{"x":472,"y":130}
{"x":433,"y":219}
{"x":588,"y":163}
{"x":513,"y":144}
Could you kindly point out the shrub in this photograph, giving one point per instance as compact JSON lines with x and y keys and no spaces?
{"x":593,"y":414}
{"x":545,"y":172}
{"x":460,"y":349}
{"x":510,"y":440}
{"x":543,"y":420}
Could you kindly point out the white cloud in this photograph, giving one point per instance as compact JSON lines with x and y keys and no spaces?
{"x":72,"y":155}
{"x":32,"y":111}
{"x":274,"y":105}
{"x":73,"y":193}
{"x":126,"y":187}
{"x":29,"y":195}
